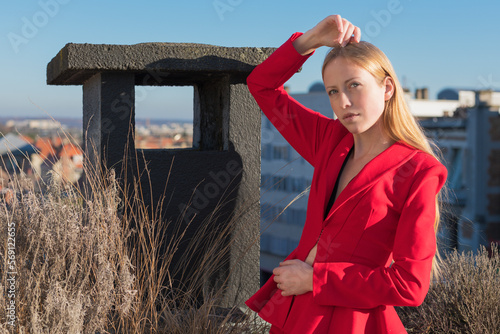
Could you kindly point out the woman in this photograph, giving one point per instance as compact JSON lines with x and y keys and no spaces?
{"x":369,"y":238}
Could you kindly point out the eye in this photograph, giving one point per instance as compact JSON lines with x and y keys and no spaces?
{"x":355,"y":84}
{"x":332,"y":92}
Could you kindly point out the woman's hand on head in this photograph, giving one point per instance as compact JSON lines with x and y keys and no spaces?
{"x":331,"y":31}
{"x":294,"y":277}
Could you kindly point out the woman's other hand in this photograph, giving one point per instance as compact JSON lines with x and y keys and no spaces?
{"x":294,"y":277}
{"x":331,"y":31}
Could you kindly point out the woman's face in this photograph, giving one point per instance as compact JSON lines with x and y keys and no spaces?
{"x":356,"y":97}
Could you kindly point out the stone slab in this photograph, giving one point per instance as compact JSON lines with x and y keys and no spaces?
{"x":154,"y":63}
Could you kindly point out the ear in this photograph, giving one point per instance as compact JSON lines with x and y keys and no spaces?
{"x":390,"y":87}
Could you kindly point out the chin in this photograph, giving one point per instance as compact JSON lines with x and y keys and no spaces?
{"x":354,"y":129}
{"x":358,"y":127}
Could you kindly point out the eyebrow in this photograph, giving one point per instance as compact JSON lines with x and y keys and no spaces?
{"x":344,"y":82}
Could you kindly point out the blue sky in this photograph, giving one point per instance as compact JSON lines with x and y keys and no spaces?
{"x":431,"y":43}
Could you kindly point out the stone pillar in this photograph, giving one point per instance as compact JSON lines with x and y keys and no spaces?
{"x":211,"y":115}
{"x":217,"y":181}
{"x":108,"y":119}
{"x":243,"y":278}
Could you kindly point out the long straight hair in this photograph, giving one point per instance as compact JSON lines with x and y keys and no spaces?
{"x":398,"y":122}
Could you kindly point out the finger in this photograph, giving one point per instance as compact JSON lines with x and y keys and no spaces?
{"x":342,"y":34}
{"x":357,"y":34}
{"x":285,"y":291}
{"x":287,"y":263}
{"x":276,"y":271}
{"x":348,"y":34}
{"x":339,"y":22}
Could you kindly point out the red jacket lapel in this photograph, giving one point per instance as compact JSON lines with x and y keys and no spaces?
{"x":393,"y":157}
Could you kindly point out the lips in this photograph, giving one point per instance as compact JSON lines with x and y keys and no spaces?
{"x":349,"y":116}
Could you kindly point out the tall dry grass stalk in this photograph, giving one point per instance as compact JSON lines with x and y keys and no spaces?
{"x":72,"y":265}
{"x":92,"y":260}
{"x":466,"y":298}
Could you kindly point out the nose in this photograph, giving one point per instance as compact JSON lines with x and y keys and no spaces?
{"x":344,"y":100}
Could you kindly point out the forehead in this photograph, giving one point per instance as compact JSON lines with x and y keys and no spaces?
{"x":340,"y":69}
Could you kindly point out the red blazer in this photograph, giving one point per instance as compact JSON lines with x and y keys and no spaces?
{"x":377,"y":243}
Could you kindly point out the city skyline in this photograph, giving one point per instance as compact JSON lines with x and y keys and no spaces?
{"x":431,"y":44}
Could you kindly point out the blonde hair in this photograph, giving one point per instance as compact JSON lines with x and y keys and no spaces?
{"x":398,"y":122}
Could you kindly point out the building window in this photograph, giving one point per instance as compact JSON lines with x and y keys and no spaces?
{"x":263,"y":152}
{"x":280,"y":183}
{"x":266,"y":152}
{"x":297,"y":184}
{"x":280,"y":153}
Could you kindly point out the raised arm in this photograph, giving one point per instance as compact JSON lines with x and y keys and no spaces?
{"x":303,"y":128}
{"x":331,"y":31}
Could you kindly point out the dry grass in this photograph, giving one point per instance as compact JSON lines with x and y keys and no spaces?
{"x":98,"y":264}
{"x":466,"y":299}
{"x":95,"y":264}
{"x":71,"y":261}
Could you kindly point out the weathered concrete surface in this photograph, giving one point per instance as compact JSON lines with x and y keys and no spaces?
{"x":108,"y":118}
{"x":185,"y":63}
{"x":216,"y":182}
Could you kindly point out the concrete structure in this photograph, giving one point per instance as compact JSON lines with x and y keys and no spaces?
{"x":218,"y":179}
{"x":38,"y":124}
{"x":467,"y":97}
{"x":471,"y":149}
{"x":432,"y":108}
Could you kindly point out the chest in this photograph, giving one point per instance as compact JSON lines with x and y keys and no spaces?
{"x":351,"y":168}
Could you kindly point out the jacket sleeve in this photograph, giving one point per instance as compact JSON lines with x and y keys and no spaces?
{"x":301,"y":127}
{"x":406,"y":281}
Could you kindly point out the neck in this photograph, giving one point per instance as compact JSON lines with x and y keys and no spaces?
{"x":371,"y":142}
